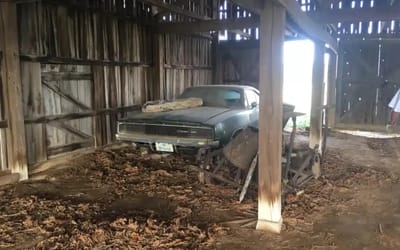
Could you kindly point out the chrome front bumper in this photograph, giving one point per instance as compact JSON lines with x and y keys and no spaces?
{"x":180,"y":142}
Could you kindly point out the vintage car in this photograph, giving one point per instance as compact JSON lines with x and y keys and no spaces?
{"x":226,"y":110}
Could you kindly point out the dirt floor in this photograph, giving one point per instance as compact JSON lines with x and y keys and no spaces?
{"x":120,"y":198}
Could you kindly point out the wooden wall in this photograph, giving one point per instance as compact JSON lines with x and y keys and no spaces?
{"x":369,"y":76}
{"x":3,"y":124}
{"x":238,"y":62}
{"x":187,"y":62}
{"x":83,"y":68}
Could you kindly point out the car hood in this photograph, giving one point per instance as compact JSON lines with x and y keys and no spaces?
{"x":193,"y":115}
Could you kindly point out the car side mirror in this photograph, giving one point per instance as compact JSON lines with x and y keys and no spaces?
{"x":254,"y":105}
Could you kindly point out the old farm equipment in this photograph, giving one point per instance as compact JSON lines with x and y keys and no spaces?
{"x":237,"y":161}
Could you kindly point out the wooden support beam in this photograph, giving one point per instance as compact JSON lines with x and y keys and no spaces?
{"x":3,"y":124}
{"x":356,"y":15}
{"x":69,"y":147}
{"x":313,"y":30}
{"x":80,"y":115}
{"x":175,"y":9}
{"x":64,"y":60}
{"x":332,"y":75}
{"x":10,"y":65}
{"x":272,"y":31}
{"x":255,"y":6}
{"x":67,"y":96}
{"x":99,"y":102}
{"x":70,"y":129}
{"x":209,"y":25}
{"x":317,"y":101}
{"x":357,"y":38}
{"x":66,"y":76}
{"x":159,"y":62}
{"x":36,"y":136}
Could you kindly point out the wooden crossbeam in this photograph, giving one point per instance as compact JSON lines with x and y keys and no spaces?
{"x":67,"y":96}
{"x":67,"y":76}
{"x":73,"y":116}
{"x":356,"y":15}
{"x":306,"y":24}
{"x":69,"y":129}
{"x":3,"y":124}
{"x":255,"y":6}
{"x":69,"y":147}
{"x":356,"y":38}
{"x":209,"y":25}
{"x":175,"y":9}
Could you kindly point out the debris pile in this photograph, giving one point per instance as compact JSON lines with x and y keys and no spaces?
{"x":119,"y":198}
{"x":113,"y":199}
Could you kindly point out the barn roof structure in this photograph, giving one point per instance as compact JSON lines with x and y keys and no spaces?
{"x":70,"y":69}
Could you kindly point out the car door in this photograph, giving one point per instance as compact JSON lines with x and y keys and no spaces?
{"x":252,"y":103}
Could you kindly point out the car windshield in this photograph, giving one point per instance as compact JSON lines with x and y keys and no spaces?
{"x":216,"y":97}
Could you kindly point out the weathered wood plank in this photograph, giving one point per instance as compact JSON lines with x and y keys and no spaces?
{"x":100,"y":129}
{"x":69,"y":129}
{"x":72,"y":116}
{"x":34,"y":106}
{"x":356,"y":15}
{"x":60,"y":76}
{"x":187,"y":67}
{"x":67,"y":96}
{"x":209,"y":25}
{"x":3,"y":124}
{"x":332,"y":76}
{"x":63,"y":60}
{"x":272,"y":30}
{"x":51,"y":151}
{"x":159,"y":70}
{"x":12,"y":88}
{"x":175,"y":9}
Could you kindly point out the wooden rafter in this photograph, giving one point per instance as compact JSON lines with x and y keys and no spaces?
{"x":357,"y":15}
{"x":175,"y":9}
{"x":306,"y":24}
{"x":300,"y":18}
{"x":255,"y":6}
{"x":368,"y":37}
{"x":209,"y":25}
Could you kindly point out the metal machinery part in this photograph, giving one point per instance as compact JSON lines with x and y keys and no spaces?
{"x":241,"y":156}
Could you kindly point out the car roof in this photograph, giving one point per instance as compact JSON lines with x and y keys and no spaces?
{"x":226,"y":86}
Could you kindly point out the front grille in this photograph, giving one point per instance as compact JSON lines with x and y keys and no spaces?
{"x":167,"y":130}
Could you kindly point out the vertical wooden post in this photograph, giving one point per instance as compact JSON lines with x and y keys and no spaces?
{"x":159,"y":61}
{"x":99,"y":102}
{"x":15,"y":132}
{"x":317,"y":101}
{"x":31,"y":80}
{"x":339,"y":83}
{"x":332,"y":74}
{"x":272,"y":28}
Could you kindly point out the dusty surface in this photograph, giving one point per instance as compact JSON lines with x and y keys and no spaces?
{"x":121,"y":199}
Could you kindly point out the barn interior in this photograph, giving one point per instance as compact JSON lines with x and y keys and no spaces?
{"x":71,"y":70}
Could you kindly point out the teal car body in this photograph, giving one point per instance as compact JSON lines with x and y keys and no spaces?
{"x":226,"y":110}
